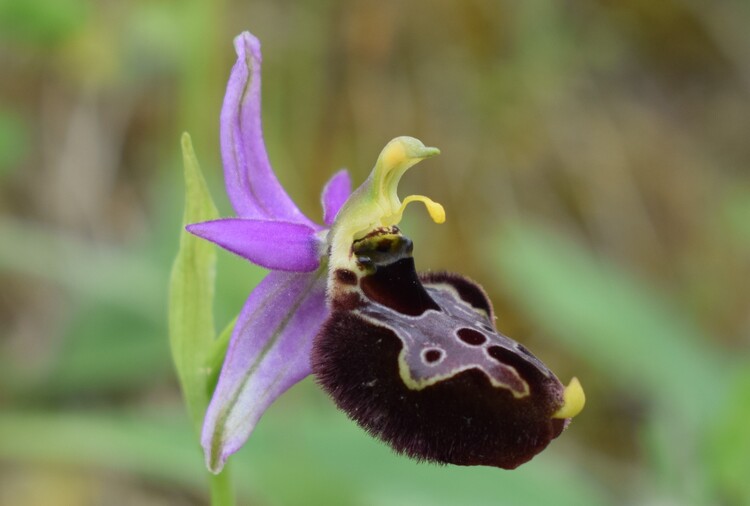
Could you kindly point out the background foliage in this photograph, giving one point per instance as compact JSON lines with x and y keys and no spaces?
{"x":595,"y":174}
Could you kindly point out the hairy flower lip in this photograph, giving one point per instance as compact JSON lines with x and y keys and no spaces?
{"x":375,"y":290}
{"x":371,"y":357}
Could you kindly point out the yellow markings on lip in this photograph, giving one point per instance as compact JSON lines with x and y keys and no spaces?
{"x":420,"y":384}
{"x":573,"y":400}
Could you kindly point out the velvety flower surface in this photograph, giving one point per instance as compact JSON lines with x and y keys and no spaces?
{"x":414,"y":359}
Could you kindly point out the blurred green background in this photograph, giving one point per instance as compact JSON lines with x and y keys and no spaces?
{"x":595,"y":175}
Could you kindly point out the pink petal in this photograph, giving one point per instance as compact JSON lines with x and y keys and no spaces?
{"x":251,"y":184}
{"x":268,"y":353}
{"x":335,"y":193}
{"x":276,"y":245}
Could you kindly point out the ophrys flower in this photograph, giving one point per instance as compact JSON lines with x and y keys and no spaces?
{"x":414,"y":359}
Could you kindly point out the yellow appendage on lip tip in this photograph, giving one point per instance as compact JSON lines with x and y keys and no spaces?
{"x":573,"y":400}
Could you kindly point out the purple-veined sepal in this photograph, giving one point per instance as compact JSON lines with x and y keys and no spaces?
{"x":276,"y":245}
{"x":268,"y":353}
{"x":251,"y":185}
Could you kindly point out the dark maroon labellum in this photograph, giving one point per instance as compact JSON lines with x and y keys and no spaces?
{"x":417,"y":362}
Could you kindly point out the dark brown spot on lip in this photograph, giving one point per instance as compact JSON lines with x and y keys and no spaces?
{"x":432,"y":355}
{"x":471,"y":336}
{"x":346,"y":277}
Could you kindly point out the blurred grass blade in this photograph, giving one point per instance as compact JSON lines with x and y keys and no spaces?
{"x":729,"y":443}
{"x":609,"y":318}
{"x":93,"y":270}
{"x":155,"y":447}
{"x":281,"y":470}
{"x":191,"y":293}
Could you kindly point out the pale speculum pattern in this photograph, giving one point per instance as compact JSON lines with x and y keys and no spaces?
{"x":439,"y":344}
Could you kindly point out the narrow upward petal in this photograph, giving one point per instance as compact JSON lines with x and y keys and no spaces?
{"x":268,"y":353}
{"x":251,"y":184}
{"x":276,"y":245}
{"x":335,"y":193}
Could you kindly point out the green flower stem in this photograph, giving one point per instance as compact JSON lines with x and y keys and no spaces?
{"x":222,"y":492}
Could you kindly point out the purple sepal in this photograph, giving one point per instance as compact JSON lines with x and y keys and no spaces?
{"x":251,"y":184}
{"x":268,"y":353}
{"x":335,"y":193}
{"x":276,"y":245}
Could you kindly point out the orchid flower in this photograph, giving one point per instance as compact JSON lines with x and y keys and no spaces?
{"x":415,"y":359}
